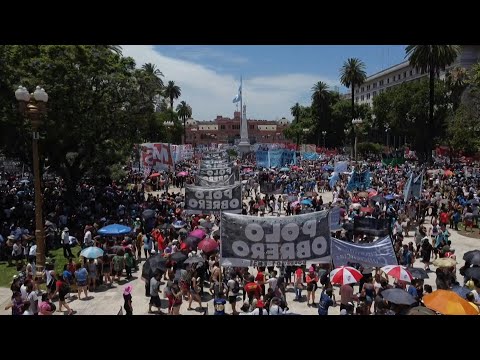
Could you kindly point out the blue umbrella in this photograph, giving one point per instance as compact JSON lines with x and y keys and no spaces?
{"x":115,"y":229}
{"x":306,"y":202}
{"x":389,"y":197}
{"x":284,"y":169}
{"x":179,"y":224}
{"x":327,"y":168}
{"x":91,"y":252}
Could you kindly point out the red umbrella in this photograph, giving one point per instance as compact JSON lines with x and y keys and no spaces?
{"x":207,"y":245}
{"x":182,"y":173}
{"x":154,"y":175}
{"x":366,"y":209}
{"x":398,"y":272}
{"x":372,"y":194}
{"x":345,"y":275}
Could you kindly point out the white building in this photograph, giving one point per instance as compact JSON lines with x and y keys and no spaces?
{"x":398,"y":74}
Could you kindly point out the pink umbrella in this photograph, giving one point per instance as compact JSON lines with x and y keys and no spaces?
{"x":182,"y":173}
{"x":248,"y":170}
{"x":295,"y":203}
{"x":197,"y":233}
{"x":207,"y":245}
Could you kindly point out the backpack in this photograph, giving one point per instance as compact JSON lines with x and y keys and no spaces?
{"x":236,"y":287}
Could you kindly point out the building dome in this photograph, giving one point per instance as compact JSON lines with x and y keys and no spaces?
{"x":191,"y":122}
{"x":283,"y":121}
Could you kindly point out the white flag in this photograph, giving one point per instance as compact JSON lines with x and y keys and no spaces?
{"x":238,"y":97}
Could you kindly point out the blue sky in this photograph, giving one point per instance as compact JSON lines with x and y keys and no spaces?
{"x":275,"y":76}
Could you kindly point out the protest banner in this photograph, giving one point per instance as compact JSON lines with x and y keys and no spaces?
{"x":270,"y":241}
{"x":376,"y":254}
{"x":156,"y":156}
{"x":205,"y":200}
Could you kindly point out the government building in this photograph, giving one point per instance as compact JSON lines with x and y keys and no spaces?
{"x":224,"y":130}
{"x":398,"y":74}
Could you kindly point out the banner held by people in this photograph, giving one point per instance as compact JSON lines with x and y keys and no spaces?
{"x":269,"y":241}
{"x":215,"y":180}
{"x":376,"y":254}
{"x":205,"y":200}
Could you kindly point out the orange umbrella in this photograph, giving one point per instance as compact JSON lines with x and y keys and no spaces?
{"x":447,"y":302}
{"x":448,"y":172}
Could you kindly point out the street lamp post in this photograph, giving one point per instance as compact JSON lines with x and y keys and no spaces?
{"x":356,"y":123}
{"x":33,"y":107}
{"x":324,"y":133}
{"x":346,"y":131}
{"x":387,"y":129}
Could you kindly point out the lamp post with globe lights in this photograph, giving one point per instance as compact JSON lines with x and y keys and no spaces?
{"x":324,"y":133}
{"x":356,"y":123}
{"x":33,"y":107}
{"x":387,"y":129}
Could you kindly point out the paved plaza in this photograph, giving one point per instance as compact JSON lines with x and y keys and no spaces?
{"x":109,"y":301}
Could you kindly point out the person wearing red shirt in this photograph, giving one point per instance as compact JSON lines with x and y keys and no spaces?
{"x":312,"y":280}
{"x":62,"y":288}
{"x":444,"y":218}
{"x":298,"y":283}
{"x":260,"y":279}
{"x":252,"y":289}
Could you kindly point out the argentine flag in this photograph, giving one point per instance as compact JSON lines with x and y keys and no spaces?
{"x":238,"y":97}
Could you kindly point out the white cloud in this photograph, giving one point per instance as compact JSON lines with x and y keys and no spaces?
{"x":210,"y":93}
{"x":197,"y":52}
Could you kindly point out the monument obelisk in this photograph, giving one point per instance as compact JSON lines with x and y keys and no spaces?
{"x":244,"y":144}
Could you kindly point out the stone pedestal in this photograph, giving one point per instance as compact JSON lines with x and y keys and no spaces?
{"x":244,"y":146}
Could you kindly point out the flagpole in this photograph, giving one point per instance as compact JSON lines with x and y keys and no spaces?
{"x":241,"y":104}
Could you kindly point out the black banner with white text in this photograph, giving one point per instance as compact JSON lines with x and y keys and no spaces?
{"x":269,"y":241}
{"x":206,"y":200}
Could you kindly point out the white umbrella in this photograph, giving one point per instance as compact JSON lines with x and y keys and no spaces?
{"x":345,"y":275}
{"x":398,"y":272}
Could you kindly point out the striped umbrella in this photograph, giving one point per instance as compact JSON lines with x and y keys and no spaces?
{"x":398,"y":272}
{"x":345,"y":275}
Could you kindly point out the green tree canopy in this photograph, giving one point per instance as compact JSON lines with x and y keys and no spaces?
{"x":99,"y":105}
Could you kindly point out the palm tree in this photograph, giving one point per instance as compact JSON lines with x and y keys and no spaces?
{"x":184,"y":112}
{"x":151,"y":70}
{"x":353,"y":74}
{"x":320,"y":99}
{"x":431,"y":59}
{"x":296,"y":110}
{"x":172,"y":92}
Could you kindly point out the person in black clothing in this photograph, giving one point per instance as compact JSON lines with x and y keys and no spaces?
{"x":127,"y":299}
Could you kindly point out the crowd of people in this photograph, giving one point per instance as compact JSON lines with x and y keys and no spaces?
{"x":160,"y":227}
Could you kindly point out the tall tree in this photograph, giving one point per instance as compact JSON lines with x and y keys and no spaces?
{"x":320,"y":104}
{"x":353,"y":74}
{"x":295,"y":110}
{"x":95,"y":111}
{"x":152,"y":71}
{"x":172,"y":92}
{"x":431,"y":59}
{"x":184,"y":112}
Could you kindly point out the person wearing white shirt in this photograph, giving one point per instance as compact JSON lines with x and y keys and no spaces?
{"x":276,"y":310}
{"x":23,"y":291}
{"x":32,"y":253}
{"x":272,"y":282}
{"x":87,"y":238}
{"x":67,"y":252}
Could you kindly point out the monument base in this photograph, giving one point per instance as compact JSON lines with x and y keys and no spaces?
{"x":244,"y":147}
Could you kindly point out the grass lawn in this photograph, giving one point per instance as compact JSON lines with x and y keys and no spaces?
{"x":7,"y":272}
